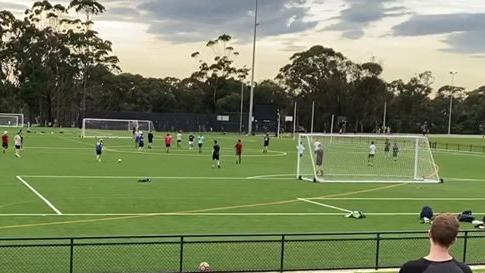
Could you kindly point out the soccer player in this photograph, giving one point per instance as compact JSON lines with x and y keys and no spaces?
{"x":266,"y":143}
{"x":319,"y":160}
{"x":216,"y":149}
{"x":99,"y":150}
{"x":150,"y":139}
{"x":18,"y":144}
{"x":238,"y":147}
{"x":372,"y":154}
{"x":387,"y":148}
{"x":200,"y":142}
{"x":5,"y":141}
{"x":395,"y":151}
{"x":191,"y":141}
{"x":141,"y":142}
{"x":179,"y":139}
{"x":168,"y":142}
{"x":136,"y":137}
{"x":301,"y":149}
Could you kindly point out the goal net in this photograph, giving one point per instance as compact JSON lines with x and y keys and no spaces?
{"x":113,"y":128}
{"x":397,"y":159}
{"x":11,"y":120}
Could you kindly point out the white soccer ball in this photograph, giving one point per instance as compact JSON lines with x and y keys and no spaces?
{"x":204,"y":267}
{"x":119,"y":160}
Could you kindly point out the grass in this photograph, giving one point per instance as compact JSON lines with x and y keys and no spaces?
{"x":187,"y":196}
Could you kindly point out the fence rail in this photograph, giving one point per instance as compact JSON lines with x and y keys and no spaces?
{"x":227,"y":253}
{"x":458,"y":147}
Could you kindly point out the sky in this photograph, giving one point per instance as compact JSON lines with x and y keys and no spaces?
{"x":155,"y":38}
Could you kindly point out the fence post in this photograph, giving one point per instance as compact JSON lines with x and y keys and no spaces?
{"x":181,"y":258}
{"x":71,"y":255}
{"x":282,"y":253}
{"x":378,"y":243}
{"x":465,"y":246}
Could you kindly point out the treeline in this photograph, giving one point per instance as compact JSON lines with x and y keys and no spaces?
{"x":56,"y":69}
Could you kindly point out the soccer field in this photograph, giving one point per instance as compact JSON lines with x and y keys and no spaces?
{"x":58,"y":189}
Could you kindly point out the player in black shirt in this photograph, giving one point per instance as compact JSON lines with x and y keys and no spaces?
{"x":216,"y":149}
{"x":191,"y":141}
{"x":266,"y":143}
{"x":443,"y":234}
{"x":150,"y":139}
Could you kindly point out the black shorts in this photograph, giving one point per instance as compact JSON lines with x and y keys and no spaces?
{"x":141,"y":144}
{"x":215,"y":156}
{"x":200,"y":145}
{"x":17,"y":147}
{"x":98,"y":152}
{"x":371,"y":156}
{"x":179,"y":141}
{"x":387,"y":150}
{"x":319,"y":162}
{"x":167,"y":145}
{"x":266,"y":144}
{"x":5,"y":145}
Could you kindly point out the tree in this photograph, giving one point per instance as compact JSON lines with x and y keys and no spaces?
{"x":213,"y":76}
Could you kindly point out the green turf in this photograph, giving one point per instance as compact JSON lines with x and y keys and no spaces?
{"x":187,"y":196}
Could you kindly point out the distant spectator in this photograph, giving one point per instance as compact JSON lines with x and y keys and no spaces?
{"x":442,"y":236}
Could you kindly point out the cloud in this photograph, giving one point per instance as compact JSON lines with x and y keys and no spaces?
{"x":12,"y":6}
{"x":196,"y":20}
{"x":354,"y":19}
{"x":466,"y":30}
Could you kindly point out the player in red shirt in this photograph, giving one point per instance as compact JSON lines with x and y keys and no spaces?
{"x":168,"y":142}
{"x":5,"y":141}
{"x":238,"y":147}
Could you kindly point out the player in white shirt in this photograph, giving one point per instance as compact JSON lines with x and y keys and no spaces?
{"x":301,"y":149}
{"x":179,"y":139}
{"x":316,"y":145}
{"x":18,"y":144}
{"x":372,"y":154}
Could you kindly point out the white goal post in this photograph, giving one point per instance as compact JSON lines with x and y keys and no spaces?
{"x":113,"y":128}
{"x":11,"y":120}
{"x":398,"y":159}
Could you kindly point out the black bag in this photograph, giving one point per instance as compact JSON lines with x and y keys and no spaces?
{"x":466,"y":216}
{"x":426,"y":212}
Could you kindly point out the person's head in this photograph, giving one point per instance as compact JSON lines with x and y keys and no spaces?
{"x":238,"y":141}
{"x":5,"y":132}
{"x":215,"y":141}
{"x":444,"y":230}
{"x":372,"y":142}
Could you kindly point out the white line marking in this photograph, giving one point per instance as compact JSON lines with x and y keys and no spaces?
{"x":135,"y":177}
{"x":221,"y":214}
{"x":324,"y":205}
{"x":39,"y":195}
{"x":398,"y":199}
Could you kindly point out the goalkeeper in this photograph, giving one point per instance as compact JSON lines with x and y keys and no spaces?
{"x":372,"y":154}
{"x":395,"y":151}
{"x":319,"y":160}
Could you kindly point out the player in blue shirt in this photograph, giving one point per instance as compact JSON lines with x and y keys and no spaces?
{"x":99,"y":150}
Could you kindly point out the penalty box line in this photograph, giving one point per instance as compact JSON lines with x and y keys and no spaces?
{"x":47,"y":202}
{"x":324,"y":205}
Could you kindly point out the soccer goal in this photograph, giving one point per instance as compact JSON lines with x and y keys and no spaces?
{"x":11,"y":120}
{"x":113,"y":128}
{"x":407,"y":159}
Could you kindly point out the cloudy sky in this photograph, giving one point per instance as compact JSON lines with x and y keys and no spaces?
{"x":156,"y":37}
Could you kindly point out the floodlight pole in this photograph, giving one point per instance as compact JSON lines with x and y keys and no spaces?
{"x":294,"y":121}
{"x":242,"y":106}
{"x":251,"y":97}
{"x":453,"y":74}
{"x":385,"y":115}
{"x":313,"y":116}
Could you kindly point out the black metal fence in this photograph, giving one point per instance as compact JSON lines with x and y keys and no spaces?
{"x":227,"y":253}
{"x":458,"y":147}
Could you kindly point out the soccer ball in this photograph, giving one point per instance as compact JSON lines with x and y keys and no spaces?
{"x":119,"y":160}
{"x":204,"y":267}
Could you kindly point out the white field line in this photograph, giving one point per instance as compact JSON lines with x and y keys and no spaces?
{"x":324,"y":205}
{"x":39,"y":195}
{"x":157,"y":177}
{"x":221,"y":214}
{"x":397,"y":199}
